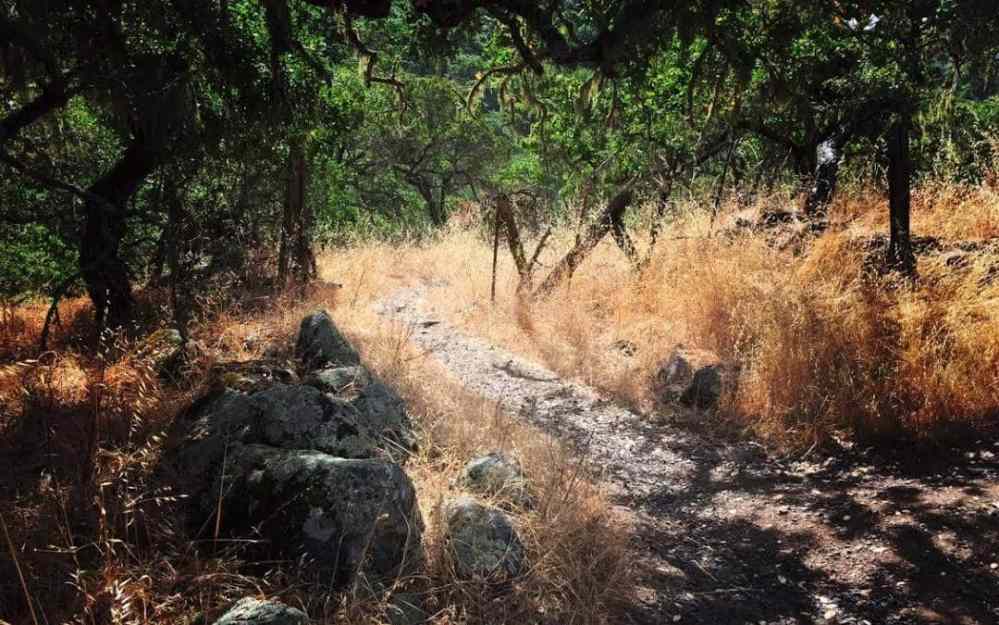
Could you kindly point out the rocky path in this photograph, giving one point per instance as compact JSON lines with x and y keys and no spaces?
{"x":727,"y":534}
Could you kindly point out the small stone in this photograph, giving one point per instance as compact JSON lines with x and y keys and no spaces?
{"x":496,"y":474}
{"x":694,"y":378}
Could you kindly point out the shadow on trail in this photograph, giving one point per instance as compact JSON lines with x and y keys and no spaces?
{"x":748,"y":541}
{"x":725,"y":534}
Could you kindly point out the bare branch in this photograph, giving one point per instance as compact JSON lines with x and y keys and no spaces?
{"x":370,"y":55}
{"x":507,"y":70}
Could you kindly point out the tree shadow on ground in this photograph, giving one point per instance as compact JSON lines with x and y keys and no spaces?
{"x":746,"y":540}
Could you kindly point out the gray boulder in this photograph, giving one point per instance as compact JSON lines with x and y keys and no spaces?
{"x":337,"y":514}
{"x":481,"y":540}
{"x":379,"y":408}
{"x":373,"y":424}
{"x":340,"y":379}
{"x":291,"y":417}
{"x":320,"y":344}
{"x":250,"y":611}
{"x":693,"y":378}
{"x":496,"y":475}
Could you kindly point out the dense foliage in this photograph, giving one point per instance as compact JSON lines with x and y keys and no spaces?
{"x":174,"y":141}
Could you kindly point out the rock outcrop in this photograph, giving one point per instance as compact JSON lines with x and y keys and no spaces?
{"x":340,"y":379}
{"x":166,"y":353}
{"x":311,"y":471}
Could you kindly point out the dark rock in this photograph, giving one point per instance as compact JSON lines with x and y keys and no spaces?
{"x":784,"y":230}
{"x":250,"y":611}
{"x":481,"y":540}
{"x":383,"y":413}
{"x":320,"y":344}
{"x":956,"y":255}
{"x":164,"y":351}
{"x":625,"y":347}
{"x":250,"y":376}
{"x":694,"y":378}
{"x":340,"y":379}
{"x":340,"y":515}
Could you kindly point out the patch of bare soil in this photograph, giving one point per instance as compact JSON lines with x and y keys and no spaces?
{"x":726,"y":533}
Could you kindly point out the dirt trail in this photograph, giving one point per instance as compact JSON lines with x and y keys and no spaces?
{"x":726,"y":534}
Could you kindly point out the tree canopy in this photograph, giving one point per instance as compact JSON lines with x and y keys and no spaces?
{"x":150,"y":136}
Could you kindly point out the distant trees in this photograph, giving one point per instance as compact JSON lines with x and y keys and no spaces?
{"x":152,"y":84}
{"x":828,"y":75}
{"x":140,"y":132}
{"x":429,"y":142}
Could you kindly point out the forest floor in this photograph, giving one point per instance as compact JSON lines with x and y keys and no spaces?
{"x":726,"y":532}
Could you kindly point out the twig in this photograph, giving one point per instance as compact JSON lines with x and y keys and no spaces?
{"x":496,"y":238}
{"x":54,"y":308}
{"x":539,"y":249}
{"x":20,"y":574}
{"x":218,"y":505}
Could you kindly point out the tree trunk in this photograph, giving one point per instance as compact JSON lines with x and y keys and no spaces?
{"x":304,"y":258}
{"x":827,"y":159}
{"x":104,"y":271}
{"x":426,"y":192}
{"x":504,"y":213}
{"x":612,"y":215}
{"x":900,"y":256}
{"x":295,"y":259}
{"x":623,"y":240}
{"x":159,"y":261}
{"x":180,"y":286}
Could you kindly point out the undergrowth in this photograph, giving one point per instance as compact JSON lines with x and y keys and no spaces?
{"x":825,"y":346}
{"x":96,"y":535}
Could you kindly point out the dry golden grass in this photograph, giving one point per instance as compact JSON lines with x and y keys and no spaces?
{"x":824,"y":348}
{"x":100,"y":540}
